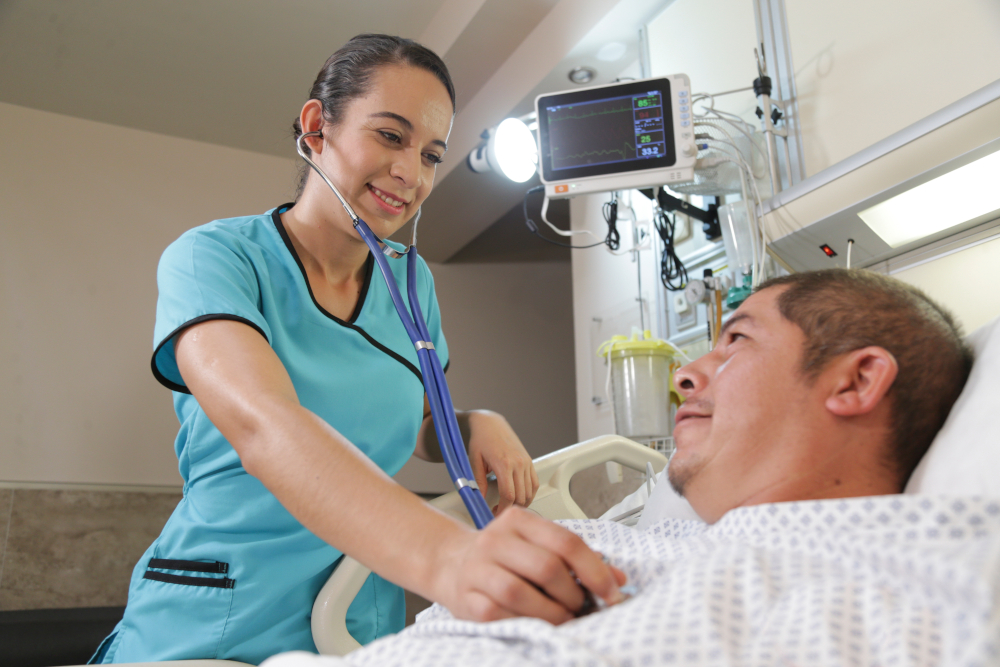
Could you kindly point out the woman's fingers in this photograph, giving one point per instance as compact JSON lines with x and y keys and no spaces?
{"x":513,"y":596}
{"x":511,"y":484}
{"x":530,"y":484}
{"x":586,"y":565}
{"x":523,"y":565}
{"x":479,"y":472}
{"x":544,"y":570}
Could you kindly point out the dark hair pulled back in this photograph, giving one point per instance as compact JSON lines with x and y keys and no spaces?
{"x":347,"y":75}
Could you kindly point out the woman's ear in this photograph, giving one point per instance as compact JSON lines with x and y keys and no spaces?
{"x":311,"y":120}
{"x":861,"y":379}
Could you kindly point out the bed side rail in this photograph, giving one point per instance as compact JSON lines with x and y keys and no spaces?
{"x":553,"y":501}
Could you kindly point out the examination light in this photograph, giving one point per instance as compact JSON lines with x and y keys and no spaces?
{"x":510,"y":149}
{"x":945,"y":202}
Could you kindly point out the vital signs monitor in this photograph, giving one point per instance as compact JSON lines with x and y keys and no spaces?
{"x":618,"y":136}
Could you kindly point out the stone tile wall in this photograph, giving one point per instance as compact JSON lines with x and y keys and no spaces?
{"x":65,"y":549}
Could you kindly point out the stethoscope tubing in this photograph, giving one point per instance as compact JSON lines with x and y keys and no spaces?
{"x":436,"y":387}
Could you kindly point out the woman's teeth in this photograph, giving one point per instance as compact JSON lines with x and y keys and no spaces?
{"x":388,"y":200}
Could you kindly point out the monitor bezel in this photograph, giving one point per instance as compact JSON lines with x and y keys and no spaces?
{"x":628,"y":88}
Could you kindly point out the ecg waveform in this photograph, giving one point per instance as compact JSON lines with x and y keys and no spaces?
{"x":627,"y":151}
{"x":603,"y":131}
{"x":568,"y":116}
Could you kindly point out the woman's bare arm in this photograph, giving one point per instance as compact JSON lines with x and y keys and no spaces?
{"x":345,"y":499}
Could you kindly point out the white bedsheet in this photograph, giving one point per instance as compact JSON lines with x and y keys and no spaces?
{"x":890,"y":580}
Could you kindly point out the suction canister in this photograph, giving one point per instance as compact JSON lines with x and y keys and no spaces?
{"x":640,"y":373}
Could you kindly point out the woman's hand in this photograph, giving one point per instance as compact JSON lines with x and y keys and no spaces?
{"x":522,"y":565}
{"x":494,"y":447}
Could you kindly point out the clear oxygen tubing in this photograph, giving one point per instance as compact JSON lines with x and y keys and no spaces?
{"x":442,"y":409}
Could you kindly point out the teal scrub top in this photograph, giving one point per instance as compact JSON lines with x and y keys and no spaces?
{"x":233,"y":575}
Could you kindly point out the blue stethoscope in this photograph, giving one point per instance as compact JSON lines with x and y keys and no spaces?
{"x":442,"y":409}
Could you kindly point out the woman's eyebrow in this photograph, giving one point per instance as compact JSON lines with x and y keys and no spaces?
{"x":405,"y":122}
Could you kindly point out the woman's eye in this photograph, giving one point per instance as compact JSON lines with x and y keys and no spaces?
{"x":734,"y":335}
{"x":433,"y":158}
{"x":391,"y":136}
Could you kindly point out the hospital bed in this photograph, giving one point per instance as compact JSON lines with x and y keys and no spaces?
{"x":552,"y":501}
{"x":964,"y":459}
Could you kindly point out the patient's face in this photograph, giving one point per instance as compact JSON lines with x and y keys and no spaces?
{"x":746,"y":408}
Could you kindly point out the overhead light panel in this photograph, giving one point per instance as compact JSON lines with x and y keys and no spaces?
{"x":947,"y":201}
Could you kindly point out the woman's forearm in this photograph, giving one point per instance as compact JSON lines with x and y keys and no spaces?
{"x":322,"y":479}
{"x":341,"y":496}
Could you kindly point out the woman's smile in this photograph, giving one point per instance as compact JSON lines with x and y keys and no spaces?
{"x":388,"y":202}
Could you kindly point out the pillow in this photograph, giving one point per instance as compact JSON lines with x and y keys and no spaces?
{"x":965,"y":456}
{"x":665,"y":503}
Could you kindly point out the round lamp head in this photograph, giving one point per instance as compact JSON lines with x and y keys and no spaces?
{"x":513,"y":148}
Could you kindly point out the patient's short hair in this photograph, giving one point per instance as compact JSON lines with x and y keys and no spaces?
{"x":842,"y":310}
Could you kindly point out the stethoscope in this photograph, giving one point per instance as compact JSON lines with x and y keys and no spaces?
{"x":442,"y":409}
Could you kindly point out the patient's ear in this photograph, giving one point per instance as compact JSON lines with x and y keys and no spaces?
{"x":861,"y":379}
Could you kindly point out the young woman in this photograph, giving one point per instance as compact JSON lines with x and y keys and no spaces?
{"x":299,"y":395}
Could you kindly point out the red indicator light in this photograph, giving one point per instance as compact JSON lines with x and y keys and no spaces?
{"x":830,"y":252}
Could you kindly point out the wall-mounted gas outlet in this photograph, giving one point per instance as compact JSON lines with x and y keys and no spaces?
{"x":685,"y":312}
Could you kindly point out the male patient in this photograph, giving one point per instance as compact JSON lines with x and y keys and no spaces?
{"x":830,"y":384}
{"x":798,"y":432}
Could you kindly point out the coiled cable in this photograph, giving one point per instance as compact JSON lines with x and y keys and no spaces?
{"x":673,"y":274}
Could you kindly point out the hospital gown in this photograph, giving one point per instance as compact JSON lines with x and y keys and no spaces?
{"x":889,"y":580}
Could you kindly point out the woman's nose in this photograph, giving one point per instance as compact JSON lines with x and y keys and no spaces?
{"x":406,"y":169}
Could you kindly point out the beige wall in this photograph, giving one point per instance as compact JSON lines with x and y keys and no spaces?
{"x":868,"y":68}
{"x":510,"y":336}
{"x":89,"y":207}
{"x":963,"y":281}
{"x":712,"y":41}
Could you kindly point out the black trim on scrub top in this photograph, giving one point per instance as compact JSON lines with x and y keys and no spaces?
{"x":209,"y":582}
{"x":170,"y":384}
{"x":369,"y":265}
{"x":188,"y":565}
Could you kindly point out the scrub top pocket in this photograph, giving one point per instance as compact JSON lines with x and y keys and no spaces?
{"x":153,"y":630}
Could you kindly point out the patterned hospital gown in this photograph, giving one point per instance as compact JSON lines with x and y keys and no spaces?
{"x":889,"y":580}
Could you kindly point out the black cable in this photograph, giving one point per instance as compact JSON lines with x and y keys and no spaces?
{"x":533,"y":227}
{"x":610,"y":211}
{"x":672,"y":270}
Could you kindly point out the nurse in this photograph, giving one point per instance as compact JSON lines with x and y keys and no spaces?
{"x":299,"y":395}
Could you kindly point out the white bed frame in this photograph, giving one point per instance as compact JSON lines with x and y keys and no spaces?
{"x":553,"y":501}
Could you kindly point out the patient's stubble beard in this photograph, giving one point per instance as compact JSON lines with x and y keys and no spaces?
{"x":679,"y":476}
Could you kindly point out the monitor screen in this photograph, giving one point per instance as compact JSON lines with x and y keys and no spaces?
{"x":606,"y":130}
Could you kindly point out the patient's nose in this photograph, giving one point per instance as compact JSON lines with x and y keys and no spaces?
{"x":690,"y":379}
